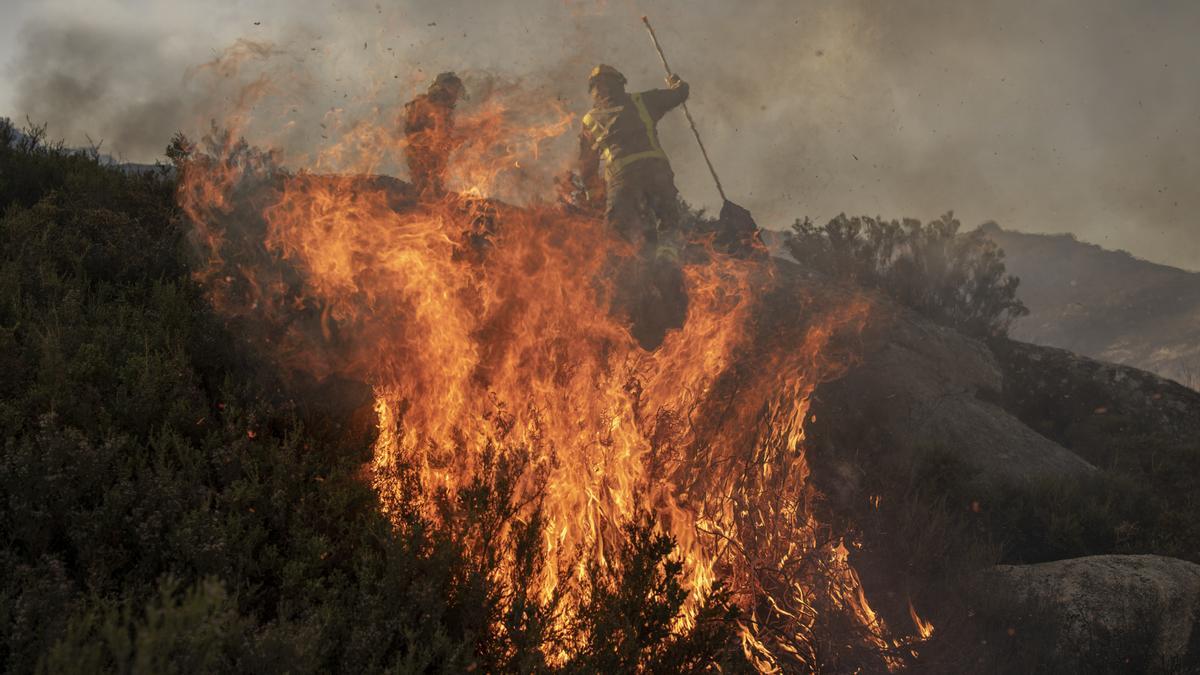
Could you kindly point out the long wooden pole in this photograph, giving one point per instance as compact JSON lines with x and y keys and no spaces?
{"x":686,"y":112}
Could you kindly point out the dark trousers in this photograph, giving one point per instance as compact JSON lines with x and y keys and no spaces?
{"x":643,"y":207}
{"x":643,"y":201}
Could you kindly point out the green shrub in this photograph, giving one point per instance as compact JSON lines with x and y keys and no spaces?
{"x":955,"y":279}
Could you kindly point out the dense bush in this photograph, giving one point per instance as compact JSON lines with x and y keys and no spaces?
{"x":166,"y":508}
{"x":956,"y":279}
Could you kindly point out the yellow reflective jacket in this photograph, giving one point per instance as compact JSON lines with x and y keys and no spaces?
{"x":624,"y":131}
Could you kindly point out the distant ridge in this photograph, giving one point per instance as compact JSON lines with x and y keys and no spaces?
{"x":1105,"y":304}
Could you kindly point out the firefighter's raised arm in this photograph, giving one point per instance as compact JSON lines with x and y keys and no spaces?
{"x":660,"y":101}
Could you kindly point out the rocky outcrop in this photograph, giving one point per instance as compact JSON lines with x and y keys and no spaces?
{"x":922,"y":386}
{"x":1110,"y":613}
{"x":1014,"y":414}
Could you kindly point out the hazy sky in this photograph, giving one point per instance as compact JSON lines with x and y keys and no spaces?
{"x":1044,"y":115}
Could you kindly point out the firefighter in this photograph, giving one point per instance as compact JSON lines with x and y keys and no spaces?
{"x":641,"y":201}
{"x":429,"y":128}
{"x":622,"y":129}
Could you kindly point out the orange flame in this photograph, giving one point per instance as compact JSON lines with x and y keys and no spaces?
{"x":486,"y":328}
{"x":924,"y":628}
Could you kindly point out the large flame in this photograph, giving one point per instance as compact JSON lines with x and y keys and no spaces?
{"x":486,"y":329}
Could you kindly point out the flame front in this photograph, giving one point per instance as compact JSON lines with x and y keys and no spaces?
{"x":486,"y":333}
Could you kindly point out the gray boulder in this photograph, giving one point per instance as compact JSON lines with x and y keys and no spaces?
{"x":922,"y":386}
{"x":1108,"y":613}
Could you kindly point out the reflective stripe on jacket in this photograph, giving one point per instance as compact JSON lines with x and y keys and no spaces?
{"x":603,"y":140}
{"x":626,"y":132}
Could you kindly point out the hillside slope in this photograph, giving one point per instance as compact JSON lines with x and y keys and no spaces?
{"x":1105,"y":304}
{"x":175,"y":504}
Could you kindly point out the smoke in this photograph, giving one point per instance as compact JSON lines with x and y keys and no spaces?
{"x":83,"y":82}
{"x":1077,"y":115}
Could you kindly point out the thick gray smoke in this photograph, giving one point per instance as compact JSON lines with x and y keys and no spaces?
{"x":1074,"y":115}
{"x":109,"y":85}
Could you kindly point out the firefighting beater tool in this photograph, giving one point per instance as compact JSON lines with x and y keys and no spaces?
{"x":738,"y":229}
